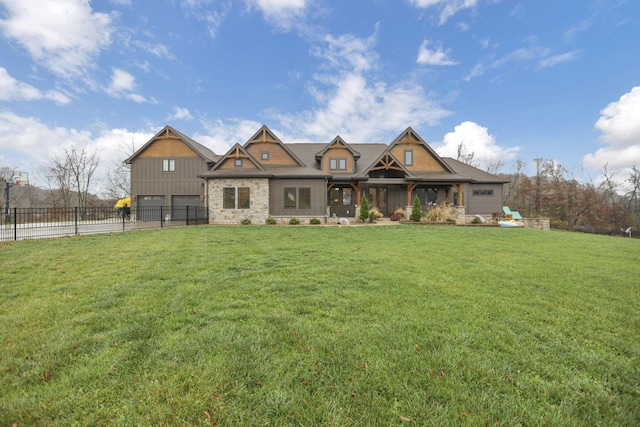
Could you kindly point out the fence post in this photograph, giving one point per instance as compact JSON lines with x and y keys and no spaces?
{"x":15,"y":223}
{"x":122,"y":213}
{"x":161,"y":216}
{"x":75,"y":220}
{"x":187,"y":214}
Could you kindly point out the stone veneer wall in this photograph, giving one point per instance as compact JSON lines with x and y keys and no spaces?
{"x":258,"y":210}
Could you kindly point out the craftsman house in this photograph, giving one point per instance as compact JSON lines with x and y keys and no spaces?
{"x":267,"y":178}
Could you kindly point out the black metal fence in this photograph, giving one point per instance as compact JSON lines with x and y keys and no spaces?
{"x":37,"y":223}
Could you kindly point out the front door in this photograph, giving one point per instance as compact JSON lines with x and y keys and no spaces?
{"x":341,"y":202}
{"x":378,"y":198}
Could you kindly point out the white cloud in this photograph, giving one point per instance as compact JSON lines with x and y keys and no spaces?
{"x":204,"y":11}
{"x":619,"y":124}
{"x":38,"y":142}
{"x":157,"y":49}
{"x":283,"y":14}
{"x":447,"y":8}
{"x":477,"y":140}
{"x":180,"y":113}
{"x":550,"y":61}
{"x":123,"y":85}
{"x":354,"y":102}
{"x":223,"y":135}
{"x":65,"y":36}
{"x":14,"y":90}
{"x":433,"y":57}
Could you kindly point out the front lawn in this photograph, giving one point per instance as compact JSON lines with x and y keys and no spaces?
{"x":335,"y":326}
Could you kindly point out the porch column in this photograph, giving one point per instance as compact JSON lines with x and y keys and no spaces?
{"x":410,"y":188}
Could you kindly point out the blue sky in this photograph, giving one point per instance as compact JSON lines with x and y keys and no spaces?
{"x":512,"y":80}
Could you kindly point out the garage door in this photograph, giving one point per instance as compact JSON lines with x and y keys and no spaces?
{"x":150,"y":208}
{"x":179,"y":205}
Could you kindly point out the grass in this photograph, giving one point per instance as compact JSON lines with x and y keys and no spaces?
{"x":336,"y":326}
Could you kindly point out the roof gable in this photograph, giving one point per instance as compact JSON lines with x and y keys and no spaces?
{"x":238,"y":158}
{"x":267,"y":147}
{"x":424,"y":158}
{"x":337,"y":143}
{"x":163,"y":144}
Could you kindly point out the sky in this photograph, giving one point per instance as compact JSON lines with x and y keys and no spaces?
{"x":510,"y":80}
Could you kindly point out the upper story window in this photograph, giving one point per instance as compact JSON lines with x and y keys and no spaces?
{"x":338,"y":164}
{"x":238,"y":163}
{"x":168,"y":165}
{"x":408,"y":157}
{"x":264,"y":155}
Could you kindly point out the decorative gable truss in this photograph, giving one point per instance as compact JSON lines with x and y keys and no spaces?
{"x":238,"y":159}
{"x":269,"y":150}
{"x":416,"y":155}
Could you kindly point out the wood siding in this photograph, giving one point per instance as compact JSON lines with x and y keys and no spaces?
{"x":277,"y":154}
{"x":338,"y":152}
{"x":318,"y":197}
{"x":168,"y":147}
{"x":147,"y":177}
{"x":423,"y":160}
{"x":230,"y":163}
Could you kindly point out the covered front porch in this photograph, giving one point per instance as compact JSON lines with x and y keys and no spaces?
{"x":388,"y":195}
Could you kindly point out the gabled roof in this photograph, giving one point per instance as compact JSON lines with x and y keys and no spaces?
{"x":205,"y":153}
{"x":237,"y":151}
{"x":409,"y":132}
{"x":472,"y":173}
{"x":387,"y":161}
{"x":264,"y":134}
{"x":337,"y":142}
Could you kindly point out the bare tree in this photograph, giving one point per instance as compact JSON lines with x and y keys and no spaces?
{"x":119,"y":176}
{"x":493,"y":165}
{"x":82,"y":166}
{"x":72,"y":173}
{"x":465,"y":157}
{"x":59,"y":182}
{"x":634,"y":194}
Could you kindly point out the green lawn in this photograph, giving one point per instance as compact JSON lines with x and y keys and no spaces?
{"x":334,"y":326}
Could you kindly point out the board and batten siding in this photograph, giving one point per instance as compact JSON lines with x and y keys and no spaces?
{"x":482,"y":204}
{"x":318,"y":197}
{"x":147,"y":177}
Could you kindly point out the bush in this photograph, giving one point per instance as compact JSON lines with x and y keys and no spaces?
{"x":364,"y":208}
{"x":476,"y":221}
{"x":294,"y":221}
{"x":245,"y":221}
{"x":396,"y":217}
{"x":416,"y":210}
{"x":314,"y":221}
{"x":270,"y":221}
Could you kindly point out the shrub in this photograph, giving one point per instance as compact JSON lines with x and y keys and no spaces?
{"x":270,"y":221}
{"x":245,"y":221}
{"x":476,"y":220}
{"x":364,"y":208}
{"x":396,"y":217}
{"x":416,"y":210}
{"x":400,"y":212}
{"x":372,"y":216}
{"x":294,"y":221}
{"x":439,"y":213}
{"x":451,"y":220}
{"x":314,"y":221}
{"x":374,"y":213}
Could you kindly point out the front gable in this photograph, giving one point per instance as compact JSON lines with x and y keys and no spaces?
{"x":337,"y":157}
{"x":239,"y":160}
{"x":415,"y":154}
{"x":166,"y":144}
{"x":267,"y":148}
{"x":387,"y":166}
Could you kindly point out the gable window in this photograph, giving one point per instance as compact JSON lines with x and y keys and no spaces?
{"x":408,"y":157}
{"x":168,"y":165}
{"x":338,"y":164}
{"x":264,"y":155}
{"x":236,"y":197}
{"x":238,"y":163}
{"x":297,"y":198}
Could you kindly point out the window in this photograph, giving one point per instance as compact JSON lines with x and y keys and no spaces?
{"x":238,"y":163}
{"x":168,"y":165}
{"x":483,"y":192}
{"x":264,"y":155}
{"x":338,"y":164}
{"x":408,"y":157}
{"x":236,"y":197}
{"x":297,"y":198}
